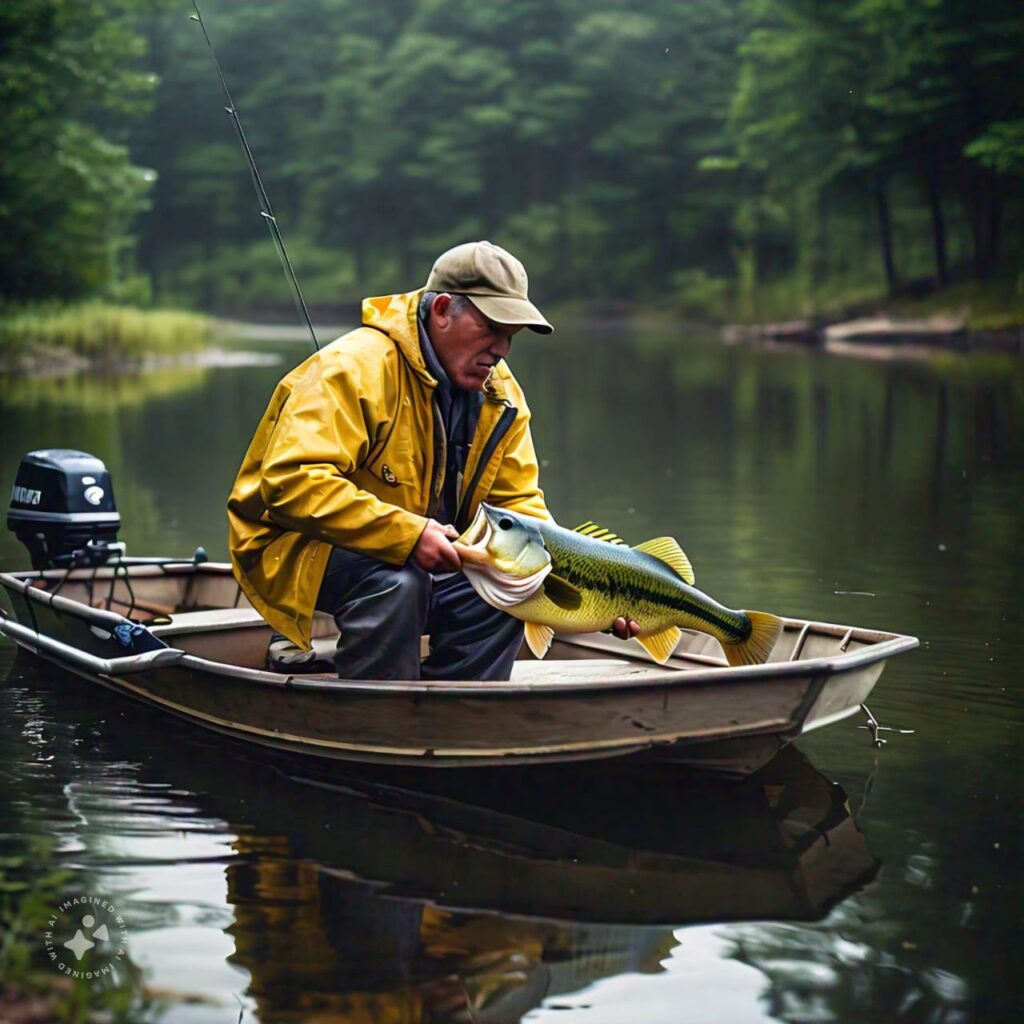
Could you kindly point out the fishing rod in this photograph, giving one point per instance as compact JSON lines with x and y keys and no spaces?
{"x":266,"y":211}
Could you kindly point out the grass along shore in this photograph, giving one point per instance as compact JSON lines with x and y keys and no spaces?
{"x":48,"y":338}
{"x":94,"y":333}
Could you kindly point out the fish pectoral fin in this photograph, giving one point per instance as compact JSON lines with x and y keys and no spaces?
{"x":667,"y":550}
{"x":538,"y":638}
{"x":661,"y":645}
{"x":596,"y":532}
{"x":562,"y":592}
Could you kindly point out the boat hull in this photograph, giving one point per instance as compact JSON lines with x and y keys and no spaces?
{"x":593,"y":699}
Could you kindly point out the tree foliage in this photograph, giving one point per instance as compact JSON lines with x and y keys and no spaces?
{"x":662,"y":152}
{"x":841,"y":97}
{"x":69,"y":191}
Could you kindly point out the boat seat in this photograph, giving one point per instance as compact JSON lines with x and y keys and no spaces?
{"x":583,"y":671}
{"x":209,"y":620}
{"x":205,"y":625}
{"x":212,"y":620}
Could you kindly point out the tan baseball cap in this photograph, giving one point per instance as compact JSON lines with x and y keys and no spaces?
{"x":492,"y":279}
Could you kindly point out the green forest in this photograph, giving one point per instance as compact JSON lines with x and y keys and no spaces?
{"x":717,"y":158}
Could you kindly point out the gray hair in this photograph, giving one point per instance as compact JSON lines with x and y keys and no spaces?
{"x":455,"y":309}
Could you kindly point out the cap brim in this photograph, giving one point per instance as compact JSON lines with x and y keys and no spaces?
{"x":510,"y":311}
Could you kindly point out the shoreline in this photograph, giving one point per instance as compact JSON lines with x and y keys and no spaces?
{"x":878,"y":337}
{"x":55,"y":363}
{"x":880,"y":333}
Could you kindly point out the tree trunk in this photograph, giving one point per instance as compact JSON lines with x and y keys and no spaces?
{"x":360,"y":258}
{"x":819,"y":267}
{"x":208,"y":296}
{"x":995,"y":224}
{"x":538,"y":180}
{"x":986,"y":220}
{"x":664,"y":241}
{"x":980,"y":190}
{"x":934,"y":191}
{"x":885,"y":234}
{"x":406,"y":262}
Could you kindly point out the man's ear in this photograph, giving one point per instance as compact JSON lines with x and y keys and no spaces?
{"x":439,"y":307}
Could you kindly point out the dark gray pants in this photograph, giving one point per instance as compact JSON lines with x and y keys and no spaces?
{"x":382,"y":610}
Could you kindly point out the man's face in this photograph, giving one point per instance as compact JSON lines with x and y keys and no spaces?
{"x":467,"y":345}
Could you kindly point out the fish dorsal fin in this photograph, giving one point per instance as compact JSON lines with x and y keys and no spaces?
{"x":667,"y":550}
{"x":562,"y":592}
{"x":595,"y":532}
{"x":661,"y":645}
{"x":538,"y":638}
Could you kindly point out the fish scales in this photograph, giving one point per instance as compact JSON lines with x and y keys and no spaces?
{"x":622,"y":574}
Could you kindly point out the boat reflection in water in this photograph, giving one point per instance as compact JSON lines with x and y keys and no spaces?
{"x":397,"y":896}
{"x":482,"y":896}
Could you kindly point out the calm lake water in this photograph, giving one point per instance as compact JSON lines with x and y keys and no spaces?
{"x":842,"y":884}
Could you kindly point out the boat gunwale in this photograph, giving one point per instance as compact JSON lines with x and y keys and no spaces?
{"x":667,"y":678}
{"x":880,"y":645}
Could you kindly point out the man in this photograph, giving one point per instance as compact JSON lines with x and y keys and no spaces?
{"x":372,"y":456}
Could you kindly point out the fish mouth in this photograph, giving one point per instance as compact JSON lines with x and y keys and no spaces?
{"x":478,"y":530}
{"x":475,"y":545}
{"x":471,"y":544}
{"x":500,"y":587}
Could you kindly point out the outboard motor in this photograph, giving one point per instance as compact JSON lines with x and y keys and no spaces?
{"x":63,"y":511}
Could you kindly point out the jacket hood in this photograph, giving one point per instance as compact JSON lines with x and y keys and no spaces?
{"x":396,"y":316}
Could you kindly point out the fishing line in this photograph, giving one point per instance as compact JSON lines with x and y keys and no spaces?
{"x":266,"y":211}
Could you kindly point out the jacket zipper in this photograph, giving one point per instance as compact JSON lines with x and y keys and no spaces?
{"x":508,"y":415}
{"x":440,"y":462}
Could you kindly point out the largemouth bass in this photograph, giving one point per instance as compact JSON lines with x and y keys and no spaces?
{"x":580,"y":581}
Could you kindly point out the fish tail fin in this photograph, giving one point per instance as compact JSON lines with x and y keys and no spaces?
{"x":765,"y":630}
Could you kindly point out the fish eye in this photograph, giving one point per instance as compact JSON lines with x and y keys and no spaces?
{"x":505,"y":524}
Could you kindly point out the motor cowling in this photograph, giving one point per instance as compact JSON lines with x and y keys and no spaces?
{"x":62,"y":509}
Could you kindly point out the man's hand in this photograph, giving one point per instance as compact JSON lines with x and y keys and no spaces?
{"x":434,"y":551}
{"x":623,"y":629}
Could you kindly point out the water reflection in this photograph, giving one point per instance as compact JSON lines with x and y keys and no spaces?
{"x":430,"y":896}
{"x":794,"y":481}
{"x":93,"y":394}
{"x":172,"y":439}
{"x":381,"y":902}
{"x":813,"y":977}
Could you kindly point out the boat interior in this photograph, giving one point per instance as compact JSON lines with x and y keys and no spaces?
{"x":200,"y":608}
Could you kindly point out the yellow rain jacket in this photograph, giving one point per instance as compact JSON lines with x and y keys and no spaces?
{"x":351,"y":453}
